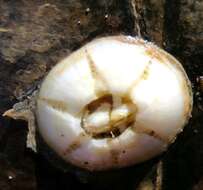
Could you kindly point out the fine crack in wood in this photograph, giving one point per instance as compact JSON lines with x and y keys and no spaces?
{"x":201,"y":83}
{"x":153,"y":179}
{"x":133,"y":4}
{"x":159,"y":176}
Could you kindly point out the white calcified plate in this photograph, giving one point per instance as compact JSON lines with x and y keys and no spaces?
{"x":115,"y":102}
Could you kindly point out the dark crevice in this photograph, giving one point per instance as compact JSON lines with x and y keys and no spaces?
{"x":172,"y":27}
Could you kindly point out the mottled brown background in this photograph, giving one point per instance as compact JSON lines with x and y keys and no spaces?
{"x":36,"y":34}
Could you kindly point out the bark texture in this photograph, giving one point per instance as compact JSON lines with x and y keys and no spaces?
{"x":35,"y":35}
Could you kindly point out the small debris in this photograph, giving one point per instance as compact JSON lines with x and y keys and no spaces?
{"x":78,"y":23}
{"x":25,"y":111}
{"x":5,"y":30}
{"x":87,"y":10}
{"x":10,"y":177}
{"x":195,"y":131}
{"x":112,"y":135}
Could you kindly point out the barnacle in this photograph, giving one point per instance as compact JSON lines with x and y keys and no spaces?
{"x":115,"y":102}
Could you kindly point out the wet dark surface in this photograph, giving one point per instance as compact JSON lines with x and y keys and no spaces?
{"x":35,"y":35}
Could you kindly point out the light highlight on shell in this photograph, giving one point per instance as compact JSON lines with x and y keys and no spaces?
{"x":115,"y":102}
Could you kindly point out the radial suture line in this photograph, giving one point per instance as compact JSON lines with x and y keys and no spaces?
{"x":143,"y":76}
{"x":96,"y":75}
{"x":114,"y":153}
{"x":154,"y":54}
{"x":114,"y":156}
{"x":72,"y":147}
{"x":151,"y":133}
{"x":56,"y":104}
{"x":75,"y":144}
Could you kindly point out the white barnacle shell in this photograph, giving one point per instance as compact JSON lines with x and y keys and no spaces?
{"x":115,"y":102}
